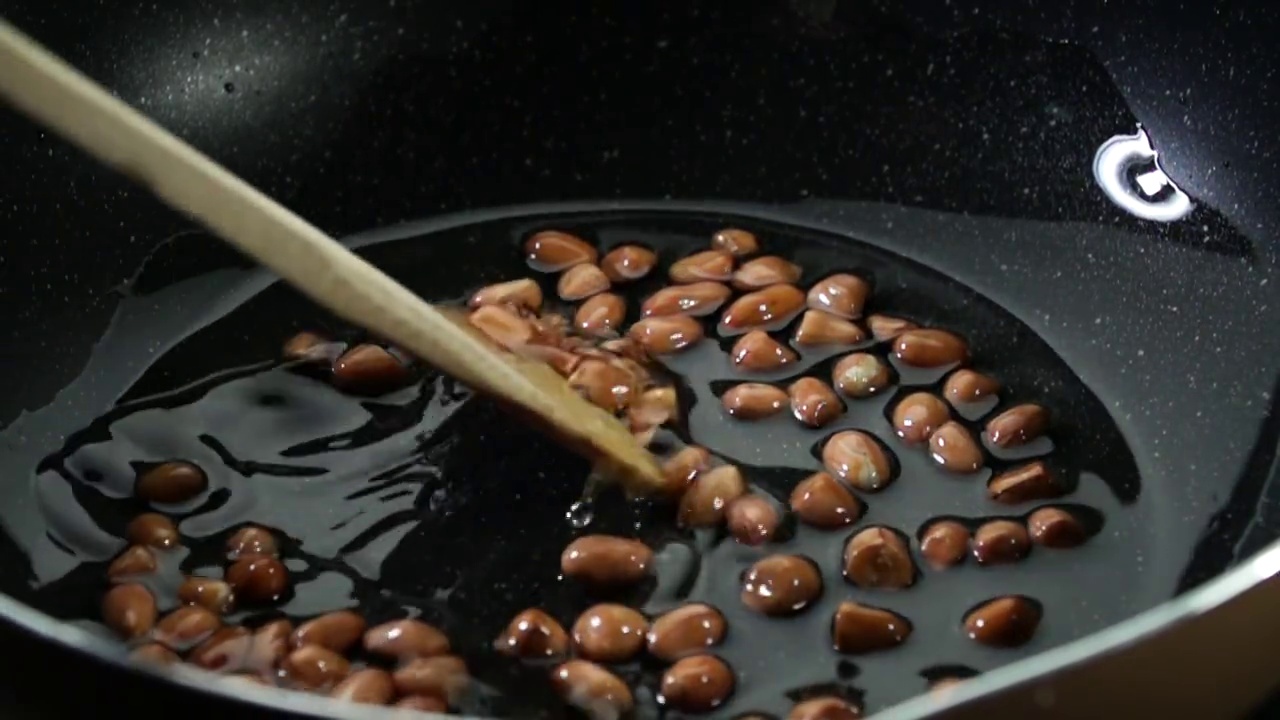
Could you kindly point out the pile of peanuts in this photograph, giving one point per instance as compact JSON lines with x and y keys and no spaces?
{"x":712,"y":493}
{"x":619,"y":368}
{"x":410,"y":662}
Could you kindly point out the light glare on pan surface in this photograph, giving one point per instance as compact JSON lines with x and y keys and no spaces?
{"x":1155,"y":196}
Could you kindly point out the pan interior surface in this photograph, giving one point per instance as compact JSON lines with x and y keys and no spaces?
{"x":430,"y":502}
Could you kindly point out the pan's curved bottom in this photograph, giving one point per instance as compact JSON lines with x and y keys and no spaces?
{"x":427,"y":501}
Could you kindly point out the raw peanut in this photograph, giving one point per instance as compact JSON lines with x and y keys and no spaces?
{"x":858,"y":629}
{"x":371,"y":686}
{"x":628,"y":262}
{"x":824,"y":708}
{"x":658,"y":405}
{"x":752,"y":520}
{"x":944,"y":544}
{"x":370,"y":370}
{"x":754,"y":401}
{"x":609,"y":633}
{"x":667,"y":334}
{"x":1006,"y":622}
{"x":606,"y":560}
{"x":155,"y":654}
{"x":878,"y":558}
{"x":534,"y":635}
{"x":1000,"y":542}
{"x":258,"y":579}
{"x":134,"y":561}
{"x":679,"y":471}
{"x":524,"y":293}
{"x":736,"y":242}
{"x":308,"y":347}
{"x":942,"y":684}
{"x":781,"y":585}
{"x":1055,"y":528}
{"x":885,"y":327}
{"x":765,"y":271}
{"x":638,"y":375}
{"x":1029,"y":482}
{"x":917,"y":416}
{"x":857,"y":458}
{"x":552,"y":251}
{"x":930,"y":348}
{"x":714,"y":265}
{"x":224,"y":651}
{"x":696,"y":684}
{"x":1018,"y":425}
{"x":208,"y":593}
{"x":757,"y":352}
{"x":695,"y":299}
{"x":842,"y":295}
{"x":687,"y":630}
{"x":765,"y":309}
{"x":129,"y":610}
{"x":704,"y":503}
{"x":818,"y":328}
{"x":603,"y":384}
{"x":186,"y":627}
{"x":551,"y":328}
{"x":601,"y":315}
{"x":952,"y":447}
{"x":821,"y":501}
{"x":596,"y":692}
{"x":967,"y":386}
{"x":861,"y":375}
{"x":625,"y":348}
{"x":313,"y":667}
{"x":252,"y":540}
{"x":152,"y":530}
{"x":269,"y":646}
{"x":581,"y":281}
{"x":338,"y":631}
{"x":814,"y":403}
{"x":443,"y":676}
{"x":171,"y":482}
{"x":404,"y":640}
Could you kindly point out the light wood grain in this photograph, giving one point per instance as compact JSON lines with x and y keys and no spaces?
{"x":56,"y":95}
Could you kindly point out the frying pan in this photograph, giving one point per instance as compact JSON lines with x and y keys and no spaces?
{"x":963,"y":137}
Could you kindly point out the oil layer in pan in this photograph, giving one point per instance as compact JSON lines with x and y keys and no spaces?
{"x":424,"y":502}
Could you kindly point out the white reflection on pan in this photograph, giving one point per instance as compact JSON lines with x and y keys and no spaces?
{"x":1146,"y":192}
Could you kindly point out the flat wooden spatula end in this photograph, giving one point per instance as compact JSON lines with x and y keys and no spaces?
{"x":56,"y":95}
{"x":555,"y":408}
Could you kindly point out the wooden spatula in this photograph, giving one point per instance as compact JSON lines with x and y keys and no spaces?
{"x":56,"y":95}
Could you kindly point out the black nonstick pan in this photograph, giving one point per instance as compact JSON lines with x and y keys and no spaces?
{"x":993,"y":167}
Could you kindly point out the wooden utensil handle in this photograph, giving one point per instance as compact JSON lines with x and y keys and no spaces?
{"x":43,"y":86}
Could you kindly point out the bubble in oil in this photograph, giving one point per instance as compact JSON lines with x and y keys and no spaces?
{"x":583,"y":510}
{"x":581,"y":513}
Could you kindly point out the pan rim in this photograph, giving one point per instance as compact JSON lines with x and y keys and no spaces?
{"x":1008,"y":679}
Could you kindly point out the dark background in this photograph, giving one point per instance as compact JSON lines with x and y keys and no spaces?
{"x":362,"y":114}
